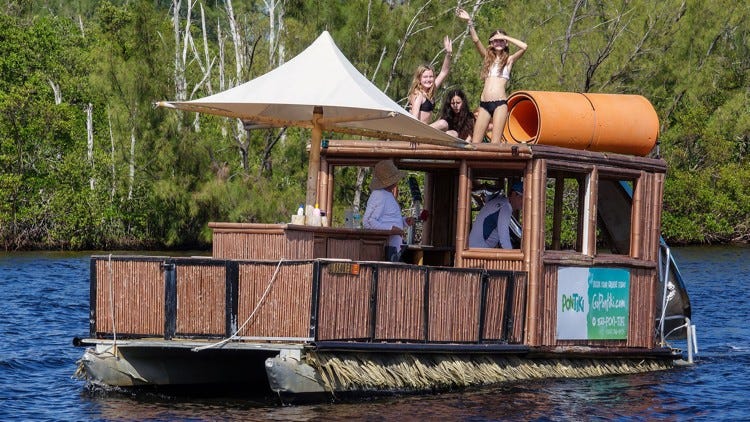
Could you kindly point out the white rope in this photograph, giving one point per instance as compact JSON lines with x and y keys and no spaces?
{"x":252,"y":314}
{"x":112,"y":304}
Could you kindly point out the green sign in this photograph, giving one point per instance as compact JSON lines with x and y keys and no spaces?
{"x":593,"y":303}
{"x":609,"y":294}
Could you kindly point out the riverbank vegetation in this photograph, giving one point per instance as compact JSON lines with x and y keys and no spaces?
{"x":87,"y":161}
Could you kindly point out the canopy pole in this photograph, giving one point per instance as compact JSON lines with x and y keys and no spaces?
{"x":313,"y":167}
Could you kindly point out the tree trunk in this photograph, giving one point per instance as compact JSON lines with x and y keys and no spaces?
{"x":415,"y":26}
{"x":112,"y":158}
{"x":180,"y":84}
{"x":56,"y":91}
{"x":131,"y":173}
{"x":90,"y":142}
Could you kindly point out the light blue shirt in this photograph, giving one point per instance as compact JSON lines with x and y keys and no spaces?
{"x":384,"y":213}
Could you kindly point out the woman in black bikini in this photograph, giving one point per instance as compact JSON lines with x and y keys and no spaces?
{"x":424,"y":84}
{"x":493,"y":105}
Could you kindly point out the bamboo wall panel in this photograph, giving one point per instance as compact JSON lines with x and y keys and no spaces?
{"x":518,"y":314}
{"x":201,"y":299}
{"x":135,"y":289}
{"x":299,"y":245}
{"x":344,"y":305}
{"x":248,"y":246}
{"x":453,"y":312}
{"x":496,"y":326}
{"x":285,"y":311}
{"x":400,"y":304}
{"x":493,"y":264}
{"x":289,"y":245}
{"x":320,"y":247}
{"x":494,"y":323}
{"x":652,"y":211}
{"x":343,"y":249}
{"x":642,"y":318}
{"x":372,"y":250}
{"x":548,"y":306}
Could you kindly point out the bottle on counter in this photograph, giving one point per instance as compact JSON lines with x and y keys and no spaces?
{"x":315,"y":219}
{"x":299,"y":217}
{"x":349,"y":218}
{"x":357,"y":220}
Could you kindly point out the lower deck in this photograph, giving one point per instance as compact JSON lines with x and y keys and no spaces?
{"x":371,"y":302}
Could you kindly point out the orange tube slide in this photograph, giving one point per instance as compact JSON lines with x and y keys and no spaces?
{"x":625,"y":124}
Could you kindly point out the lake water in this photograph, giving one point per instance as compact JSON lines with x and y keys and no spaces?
{"x":44,"y":303}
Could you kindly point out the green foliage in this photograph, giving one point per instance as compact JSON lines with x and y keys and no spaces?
{"x":155,"y":177}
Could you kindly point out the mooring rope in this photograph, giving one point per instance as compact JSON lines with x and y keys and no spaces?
{"x":252,"y":314}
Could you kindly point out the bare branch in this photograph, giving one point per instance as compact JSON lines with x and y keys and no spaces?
{"x":55,"y":91}
{"x":568,"y":34}
{"x":411,"y":29}
{"x":380,"y":61}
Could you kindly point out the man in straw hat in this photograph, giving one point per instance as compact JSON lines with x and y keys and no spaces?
{"x":383,"y":211}
{"x":492,"y":225}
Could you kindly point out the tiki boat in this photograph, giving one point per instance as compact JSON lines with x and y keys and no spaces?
{"x":588,"y":289}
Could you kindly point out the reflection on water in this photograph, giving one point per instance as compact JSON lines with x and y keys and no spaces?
{"x":622,"y":397}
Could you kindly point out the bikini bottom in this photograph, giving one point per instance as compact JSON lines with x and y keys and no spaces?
{"x":490,"y":106}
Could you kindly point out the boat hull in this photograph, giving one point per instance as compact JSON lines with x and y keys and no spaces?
{"x":297,"y":372}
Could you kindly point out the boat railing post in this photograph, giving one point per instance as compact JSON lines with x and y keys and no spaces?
{"x":664,"y":267}
{"x":689,"y":330}
{"x":170,"y":299}
{"x":693,"y":336}
{"x":315,"y":299}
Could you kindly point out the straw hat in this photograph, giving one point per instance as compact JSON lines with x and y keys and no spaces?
{"x":385,"y":174}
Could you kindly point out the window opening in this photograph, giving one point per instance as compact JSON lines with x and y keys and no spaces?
{"x":565,"y":211}
{"x":496,"y":205}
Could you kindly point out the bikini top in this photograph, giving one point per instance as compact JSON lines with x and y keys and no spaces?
{"x":495,"y":71}
{"x":427,"y":105}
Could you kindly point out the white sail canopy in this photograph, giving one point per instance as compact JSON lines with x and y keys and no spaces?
{"x":320,"y":79}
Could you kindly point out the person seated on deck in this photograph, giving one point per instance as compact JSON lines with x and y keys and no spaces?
{"x":383,"y":211}
{"x":492,"y":225}
{"x":456,"y":119}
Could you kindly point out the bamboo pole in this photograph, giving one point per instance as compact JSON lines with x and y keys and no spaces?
{"x":311,"y":195}
{"x":637,"y":211}
{"x":462,"y":211}
{"x":533,"y":231}
{"x":591,"y":212}
{"x":582,"y":207}
{"x":657,"y":212}
{"x":493,"y":254}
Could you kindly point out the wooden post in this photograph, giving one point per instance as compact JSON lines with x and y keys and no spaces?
{"x":534,"y":204}
{"x":637,"y":211}
{"x":314,"y":164}
{"x":593,"y":198}
{"x":463,"y":211}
